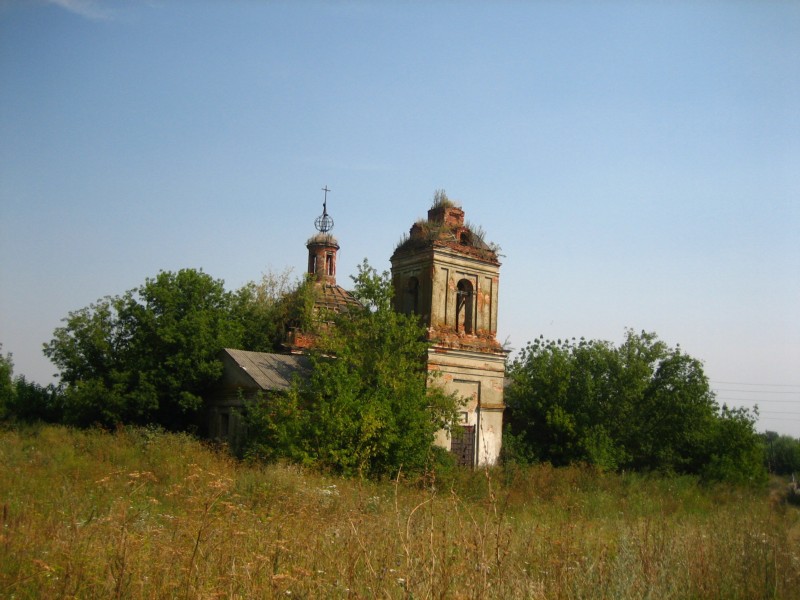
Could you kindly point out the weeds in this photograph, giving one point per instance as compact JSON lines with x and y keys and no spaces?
{"x":143,"y":514}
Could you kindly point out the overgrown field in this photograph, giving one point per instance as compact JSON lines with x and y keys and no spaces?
{"x":141,"y":514}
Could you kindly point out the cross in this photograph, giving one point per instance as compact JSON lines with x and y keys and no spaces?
{"x":325,"y":202}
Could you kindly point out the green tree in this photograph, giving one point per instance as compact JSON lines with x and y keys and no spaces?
{"x":148,"y":355}
{"x":27,"y":401}
{"x":670,"y":409}
{"x":735,"y":452}
{"x":782,"y":453}
{"x":33,"y":402}
{"x":90,"y":352}
{"x":566,"y":400}
{"x":6,"y":383}
{"x":642,"y":405}
{"x":268,"y":308}
{"x":366,"y":407}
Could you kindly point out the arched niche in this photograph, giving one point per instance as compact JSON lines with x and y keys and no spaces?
{"x":465,"y":307}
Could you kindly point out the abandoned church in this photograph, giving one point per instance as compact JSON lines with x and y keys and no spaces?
{"x":445,"y":273}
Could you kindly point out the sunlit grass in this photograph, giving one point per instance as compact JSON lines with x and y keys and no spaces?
{"x":142,"y":514}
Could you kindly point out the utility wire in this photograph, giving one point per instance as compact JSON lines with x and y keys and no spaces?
{"x":796,"y":385}
{"x":757,"y":400}
{"x":757,"y":391}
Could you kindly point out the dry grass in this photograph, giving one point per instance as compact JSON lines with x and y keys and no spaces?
{"x":138,"y":514}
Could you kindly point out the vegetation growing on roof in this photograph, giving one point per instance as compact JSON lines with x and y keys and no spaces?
{"x":440,"y":200}
{"x":424,"y":232}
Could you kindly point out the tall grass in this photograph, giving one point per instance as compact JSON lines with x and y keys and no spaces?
{"x":142,"y":514}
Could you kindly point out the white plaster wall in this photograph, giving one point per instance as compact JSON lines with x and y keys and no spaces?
{"x":478,"y":377}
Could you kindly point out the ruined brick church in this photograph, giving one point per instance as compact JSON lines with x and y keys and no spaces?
{"x":442,"y":271}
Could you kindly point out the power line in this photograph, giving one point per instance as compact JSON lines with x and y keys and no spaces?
{"x":757,"y":400}
{"x":757,"y":391}
{"x":758,"y":384}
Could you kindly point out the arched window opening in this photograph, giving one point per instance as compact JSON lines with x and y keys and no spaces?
{"x":312,"y":263}
{"x":329,"y":265}
{"x":411,"y":296}
{"x":465,"y":238}
{"x":465,"y":301}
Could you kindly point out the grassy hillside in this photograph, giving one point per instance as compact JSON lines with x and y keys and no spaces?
{"x":140,"y":514}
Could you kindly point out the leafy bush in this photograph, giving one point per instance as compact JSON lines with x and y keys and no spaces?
{"x":26,"y":401}
{"x":782,"y":453}
{"x":366,"y":408}
{"x":641,"y":406}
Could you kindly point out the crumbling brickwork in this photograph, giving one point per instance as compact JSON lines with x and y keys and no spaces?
{"x":448,"y":275}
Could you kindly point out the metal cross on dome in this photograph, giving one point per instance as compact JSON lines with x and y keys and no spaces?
{"x":324,"y":222}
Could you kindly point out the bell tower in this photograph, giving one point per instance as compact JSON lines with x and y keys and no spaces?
{"x":447,"y":274}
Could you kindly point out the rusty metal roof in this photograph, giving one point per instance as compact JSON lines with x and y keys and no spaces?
{"x":270,"y":371}
{"x":335,"y":298}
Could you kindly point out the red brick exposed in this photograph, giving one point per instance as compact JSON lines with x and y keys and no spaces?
{"x":445,"y":338}
{"x":451,"y":216}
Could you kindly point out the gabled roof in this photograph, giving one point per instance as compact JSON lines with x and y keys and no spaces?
{"x":269,"y":371}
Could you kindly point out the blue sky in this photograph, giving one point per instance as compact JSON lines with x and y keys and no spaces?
{"x":638,"y":163}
